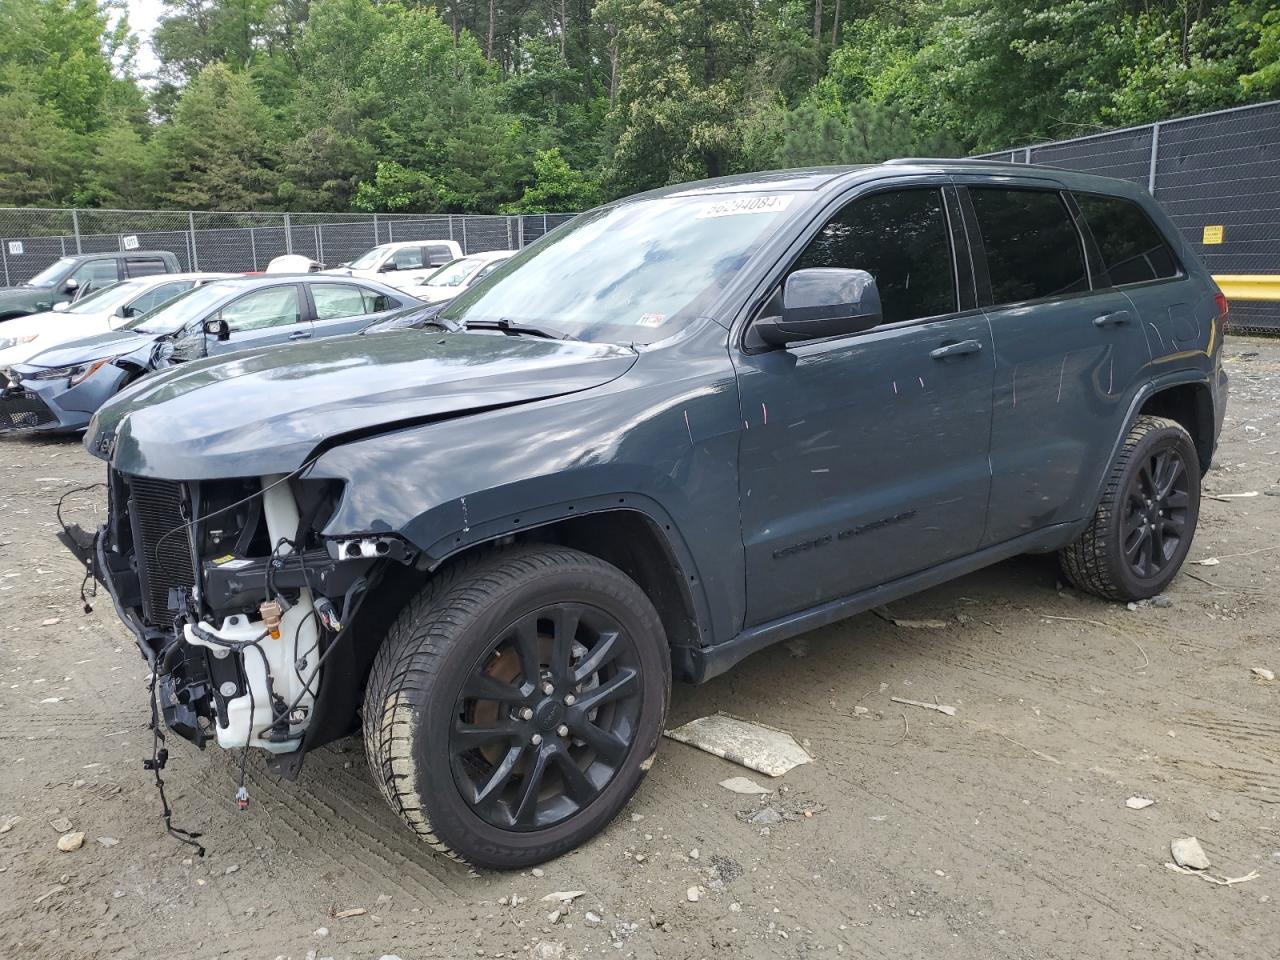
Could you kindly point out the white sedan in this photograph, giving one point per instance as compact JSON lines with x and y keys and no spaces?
{"x":99,"y":312}
{"x":451,"y":279}
{"x":400,"y":264}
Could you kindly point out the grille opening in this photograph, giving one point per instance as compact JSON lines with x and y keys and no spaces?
{"x":23,"y":411}
{"x":163,"y":545}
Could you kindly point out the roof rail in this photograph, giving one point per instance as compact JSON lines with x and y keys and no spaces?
{"x":965,"y":161}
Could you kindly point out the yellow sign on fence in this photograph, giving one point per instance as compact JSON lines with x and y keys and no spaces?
{"x":1213,"y":234}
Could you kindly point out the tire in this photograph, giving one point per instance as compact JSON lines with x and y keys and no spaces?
{"x":1140,"y":533}
{"x":475,"y":756}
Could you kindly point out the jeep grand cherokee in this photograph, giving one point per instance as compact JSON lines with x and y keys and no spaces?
{"x":682,"y":427}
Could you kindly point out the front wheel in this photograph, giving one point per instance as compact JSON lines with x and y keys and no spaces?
{"x":516,"y":703}
{"x":1141,"y":532}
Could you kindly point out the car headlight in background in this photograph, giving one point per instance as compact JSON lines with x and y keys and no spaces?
{"x":78,"y":373}
{"x":7,"y":342}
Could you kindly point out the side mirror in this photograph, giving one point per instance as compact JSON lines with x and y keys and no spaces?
{"x":71,"y":286}
{"x":217,"y":327}
{"x":821,"y":302}
{"x":388,"y":266}
{"x":61,"y":306}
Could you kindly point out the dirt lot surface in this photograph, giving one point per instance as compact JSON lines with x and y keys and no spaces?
{"x":1000,"y":832}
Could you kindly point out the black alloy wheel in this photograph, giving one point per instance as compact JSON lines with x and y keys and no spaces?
{"x":547,"y":717}
{"x":1156,"y":501}
{"x":1142,"y":527}
{"x":516,"y":703}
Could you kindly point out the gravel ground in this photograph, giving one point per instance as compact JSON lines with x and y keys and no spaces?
{"x":1000,"y":832}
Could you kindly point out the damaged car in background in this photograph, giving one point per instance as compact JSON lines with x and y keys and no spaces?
{"x":678,"y":429}
{"x":57,"y":390}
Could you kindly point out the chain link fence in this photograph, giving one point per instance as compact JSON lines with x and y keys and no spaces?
{"x":33,"y":238}
{"x":1217,"y":175}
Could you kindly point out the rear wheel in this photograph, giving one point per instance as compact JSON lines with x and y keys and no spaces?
{"x":1141,"y":532}
{"x":515,"y":705}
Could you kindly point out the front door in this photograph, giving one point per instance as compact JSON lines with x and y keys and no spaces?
{"x":1068,"y":351}
{"x":263,"y":317}
{"x":864,"y":458}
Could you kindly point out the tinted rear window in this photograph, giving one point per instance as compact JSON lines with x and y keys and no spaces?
{"x":1132,"y":248}
{"x":1033,"y":248}
{"x":145,"y":266}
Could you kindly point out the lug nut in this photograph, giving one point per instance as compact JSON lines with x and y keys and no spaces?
{"x":548,"y":689}
{"x":536,"y":739}
{"x":526,"y":713}
{"x":570,"y":699}
{"x":563,"y":730}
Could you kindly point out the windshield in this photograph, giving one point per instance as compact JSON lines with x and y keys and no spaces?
{"x":367,"y":259}
{"x":47,"y":276}
{"x":453,"y":274}
{"x":633,"y":273}
{"x":173,"y":315}
{"x":108,"y":298}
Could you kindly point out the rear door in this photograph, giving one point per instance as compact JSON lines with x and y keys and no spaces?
{"x":864,"y":458}
{"x":1176,"y":310}
{"x":1068,"y":353}
{"x":346,"y":307}
{"x":265,"y":316}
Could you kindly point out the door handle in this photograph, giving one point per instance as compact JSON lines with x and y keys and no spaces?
{"x":1112,"y":319}
{"x":300,"y":335}
{"x":955,"y":349}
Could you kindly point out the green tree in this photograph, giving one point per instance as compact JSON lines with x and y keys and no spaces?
{"x":556,"y":187}
{"x":217,"y":149}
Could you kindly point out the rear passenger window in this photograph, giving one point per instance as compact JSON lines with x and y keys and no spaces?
{"x":1132,"y":248}
{"x":145,"y":266}
{"x":899,"y":237}
{"x":1032,"y":245}
{"x":438,"y":255}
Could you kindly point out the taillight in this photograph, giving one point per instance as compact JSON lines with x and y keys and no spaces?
{"x":1220,"y":299}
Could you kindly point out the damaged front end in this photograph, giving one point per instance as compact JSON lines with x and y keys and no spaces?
{"x":235,"y":599}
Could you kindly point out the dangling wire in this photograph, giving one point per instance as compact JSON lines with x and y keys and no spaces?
{"x":159,"y":757}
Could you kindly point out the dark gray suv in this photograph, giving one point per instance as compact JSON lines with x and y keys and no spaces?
{"x":680,"y":428}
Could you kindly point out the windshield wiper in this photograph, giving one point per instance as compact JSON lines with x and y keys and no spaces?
{"x":506,"y":326}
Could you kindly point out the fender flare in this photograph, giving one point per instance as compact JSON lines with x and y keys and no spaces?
{"x":1143,"y":394}
{"x":666,"y":529}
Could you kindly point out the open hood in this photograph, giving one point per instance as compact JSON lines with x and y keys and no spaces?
{"x":264,"y":411}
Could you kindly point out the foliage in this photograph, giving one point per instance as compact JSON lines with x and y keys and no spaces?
{"x":423,"y":105}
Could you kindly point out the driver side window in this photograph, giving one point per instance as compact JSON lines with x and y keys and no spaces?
{"x":274,"y":307}
{"x":900,"y":238}
{"x":95,"y":275}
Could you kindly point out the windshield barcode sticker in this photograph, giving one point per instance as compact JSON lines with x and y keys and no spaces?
{"x":773,"y":203}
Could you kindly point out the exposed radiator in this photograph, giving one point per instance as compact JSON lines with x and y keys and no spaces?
{"x":163,"y":545}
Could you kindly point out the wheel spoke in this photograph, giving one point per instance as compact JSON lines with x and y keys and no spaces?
{"x":1133,"y":543}
{"x":1157,"y":547}
{"x":501,"y":775}
{"x":529,"y":791}
{"x":470,"y":736}
{"x":1172,"y":471}
{"x":1176,"y":500}
{"x":526,"y":644}
{"x":566,"y":624}
{"x":606,"y":649}
{"x":581,"y":790}
{"x":608,"y":747}
{"x":613,"y":688}
{"x":484,"y":686}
